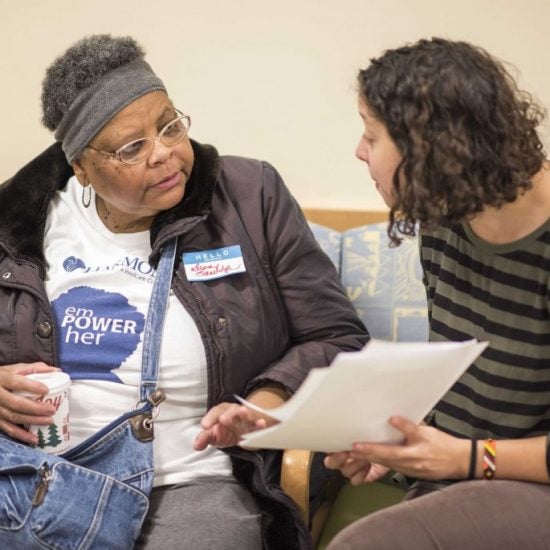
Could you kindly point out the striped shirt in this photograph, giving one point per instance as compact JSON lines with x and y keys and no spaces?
{"x":499,"y":294}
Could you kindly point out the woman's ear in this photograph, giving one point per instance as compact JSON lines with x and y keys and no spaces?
{"x":80,"y":171}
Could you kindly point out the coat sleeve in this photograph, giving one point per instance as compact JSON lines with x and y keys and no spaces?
{"x":321,"y":320}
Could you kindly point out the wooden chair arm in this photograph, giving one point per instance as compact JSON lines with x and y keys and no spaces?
{"x":295,"y":470}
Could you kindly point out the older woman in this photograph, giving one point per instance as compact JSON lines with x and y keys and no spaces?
{"x":451,"y":143}
{"x":254,"y":304}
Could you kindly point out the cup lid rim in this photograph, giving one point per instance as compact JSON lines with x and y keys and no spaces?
{"x":56,"y":381}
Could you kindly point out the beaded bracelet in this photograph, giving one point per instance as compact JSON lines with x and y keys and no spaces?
{"x":473,"y":460}
{"x":489,"y":458}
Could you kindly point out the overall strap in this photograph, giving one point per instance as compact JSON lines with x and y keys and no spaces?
{"x":152,"y":335}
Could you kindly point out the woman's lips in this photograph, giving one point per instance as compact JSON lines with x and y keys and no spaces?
{"x":168,"y":182}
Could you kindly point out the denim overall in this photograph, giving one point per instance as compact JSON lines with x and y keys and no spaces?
{"x":94,"y":496}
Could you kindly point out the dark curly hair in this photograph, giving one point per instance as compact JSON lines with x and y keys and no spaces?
{"x":467,"y":134}
{"x":79,"y":67}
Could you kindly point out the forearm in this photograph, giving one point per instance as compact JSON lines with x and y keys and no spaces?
{"x":521,"y":459}
{"x":429,"y":453}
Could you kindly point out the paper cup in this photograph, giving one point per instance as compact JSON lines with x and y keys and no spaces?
{"x":54,"y":438}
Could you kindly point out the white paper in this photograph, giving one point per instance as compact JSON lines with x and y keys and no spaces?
{"x":352,"y":399}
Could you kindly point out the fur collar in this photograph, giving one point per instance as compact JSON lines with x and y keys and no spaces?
{"x":24,"y":201}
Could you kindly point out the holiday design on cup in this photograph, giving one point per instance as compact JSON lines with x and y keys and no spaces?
{"x":55,"y":437}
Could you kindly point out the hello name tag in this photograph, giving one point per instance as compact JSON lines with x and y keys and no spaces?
{"x":213,"y":264}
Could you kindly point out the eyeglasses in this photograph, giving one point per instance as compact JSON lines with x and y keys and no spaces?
{"x":138,"y":150}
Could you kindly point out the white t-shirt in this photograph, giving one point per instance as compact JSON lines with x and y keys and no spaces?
{"x":99,"y":284}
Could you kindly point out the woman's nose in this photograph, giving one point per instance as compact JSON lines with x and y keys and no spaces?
{"x":159,"y":152}
{"x":361,"y":151}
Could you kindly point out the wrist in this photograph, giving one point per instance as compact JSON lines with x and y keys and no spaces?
{"x":269,"y":395}
{"x":459,"y":456}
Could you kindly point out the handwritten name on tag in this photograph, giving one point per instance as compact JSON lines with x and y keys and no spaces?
{"x":213,"y":264}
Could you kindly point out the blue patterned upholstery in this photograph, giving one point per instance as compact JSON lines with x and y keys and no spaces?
{"x":330,"y":241}
{"x":384,"y":284}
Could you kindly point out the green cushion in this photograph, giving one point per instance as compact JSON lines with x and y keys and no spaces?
{"x":353,"y":503}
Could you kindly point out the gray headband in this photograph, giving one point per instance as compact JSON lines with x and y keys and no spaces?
{"x":96,"y":105}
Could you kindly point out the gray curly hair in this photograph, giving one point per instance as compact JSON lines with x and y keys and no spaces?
{"x":80,"y":67}
{"x":88,"y":84}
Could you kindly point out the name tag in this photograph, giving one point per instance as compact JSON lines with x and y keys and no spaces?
{"x":213,"y":264}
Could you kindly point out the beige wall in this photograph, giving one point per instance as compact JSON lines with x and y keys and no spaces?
{"x":269,"y":79}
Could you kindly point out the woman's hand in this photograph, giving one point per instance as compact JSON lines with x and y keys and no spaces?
{"x":426,"y":452}
{"x":16,"y":410}
{"x":356,"y":470}
{"x":224,"y":424}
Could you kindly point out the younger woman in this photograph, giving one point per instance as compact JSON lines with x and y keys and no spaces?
{"x":451,"y":144}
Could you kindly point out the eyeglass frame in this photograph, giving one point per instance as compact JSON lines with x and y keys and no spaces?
{"x":116,"y":154}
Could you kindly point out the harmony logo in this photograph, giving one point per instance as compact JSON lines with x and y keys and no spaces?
{"x":96,"y":332}
{"x":71,"y":263}
{"x":134,"y":266}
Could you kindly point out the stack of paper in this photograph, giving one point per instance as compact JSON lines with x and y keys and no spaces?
{"x":352,"y":399}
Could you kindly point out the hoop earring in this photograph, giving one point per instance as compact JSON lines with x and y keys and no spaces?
{"x":86,"y":196}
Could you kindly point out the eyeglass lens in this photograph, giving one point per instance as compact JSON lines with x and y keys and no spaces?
{"x":170,"y":135}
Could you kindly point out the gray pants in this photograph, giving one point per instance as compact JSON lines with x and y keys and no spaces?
{"x":206,"y":514}
{"x":470,"y":515}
